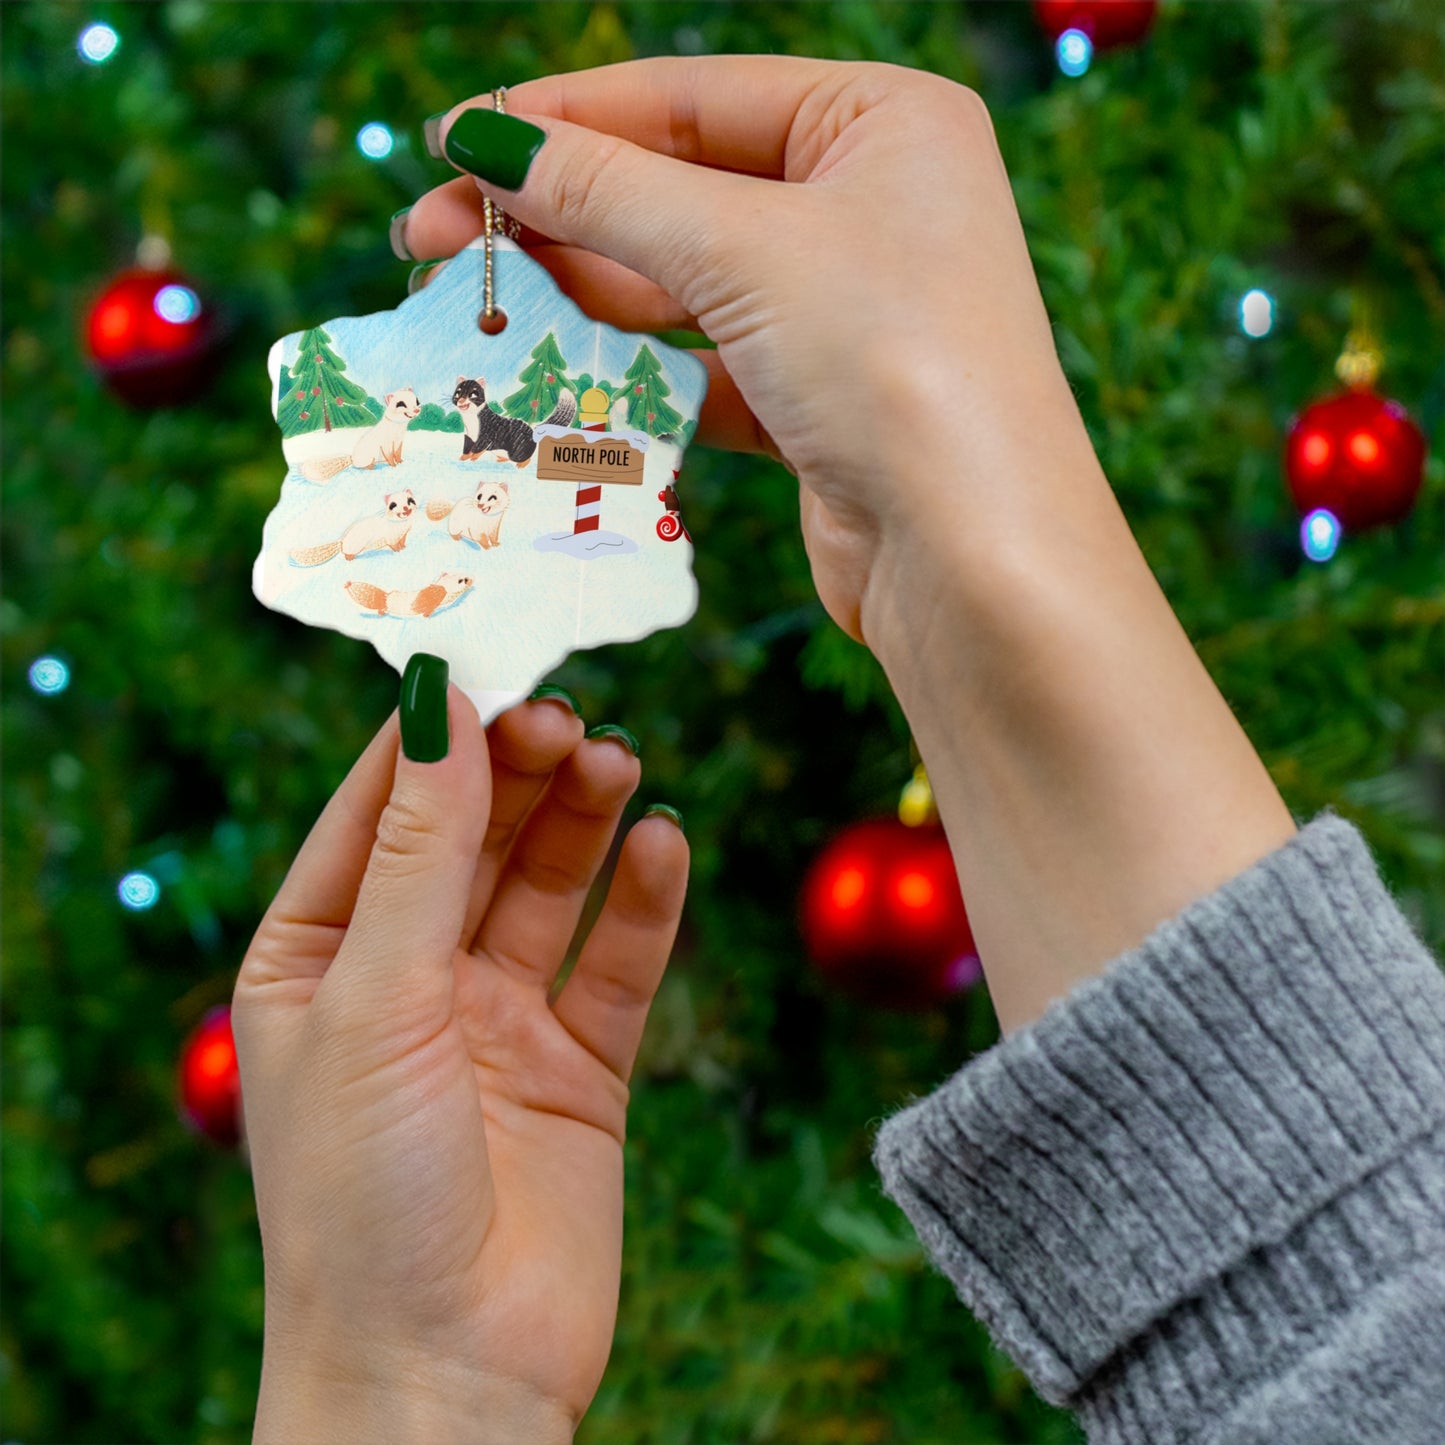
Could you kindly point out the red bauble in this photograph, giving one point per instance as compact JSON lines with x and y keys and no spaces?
{"x":883,"y":917}
{"x":210,"y":1081}
{"x":1357,"y":455}
{"x":1107,"y":23}
{"x":151,"y":338}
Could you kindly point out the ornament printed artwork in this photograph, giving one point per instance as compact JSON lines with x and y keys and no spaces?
{"x":496,"y":500}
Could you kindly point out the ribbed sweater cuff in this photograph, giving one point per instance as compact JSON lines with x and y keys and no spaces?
{"x":1199,"y":1113}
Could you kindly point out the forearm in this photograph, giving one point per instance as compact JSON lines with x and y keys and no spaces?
{"x":1091,"y":778}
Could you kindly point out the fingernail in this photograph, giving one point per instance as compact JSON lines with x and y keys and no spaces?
{"x":415,"y":281}
{"x":424,"y":735}
{"x":431,"y":133}
{"x":550,"y":689}
{"x":498,"y":148}
{"x":664,"y":811}
{"x":613,"y":730}
{"x":396,"y":233}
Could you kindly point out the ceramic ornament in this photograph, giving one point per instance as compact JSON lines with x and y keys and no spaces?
{"x":499,"y":501}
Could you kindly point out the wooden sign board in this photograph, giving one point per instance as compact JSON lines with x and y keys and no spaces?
{"x":574,"y":458}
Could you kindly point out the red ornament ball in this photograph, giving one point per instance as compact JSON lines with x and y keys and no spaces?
{"x":1107,"y":23}
{"x":883,"y":917}
{"x":1358,"y":455}
{"x":210,"y":1081}
{"x":550,"y":378}
{"x":638,"y":390}
{"x":151,"y":338}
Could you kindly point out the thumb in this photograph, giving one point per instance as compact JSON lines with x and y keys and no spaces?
{"x":407,"y":923}
{"x":664,"y":218}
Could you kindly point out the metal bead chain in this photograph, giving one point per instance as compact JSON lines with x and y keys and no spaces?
{"x":494,"y":219}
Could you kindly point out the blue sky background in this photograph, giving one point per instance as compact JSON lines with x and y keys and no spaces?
{"x":432,"y":337}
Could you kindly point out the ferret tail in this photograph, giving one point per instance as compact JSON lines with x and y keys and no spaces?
{"x":366,"y":596}
{"x":324,"y":470}
{"x":315,"y":556}
{"x":438,"y":508}
{"x":565,"y":411}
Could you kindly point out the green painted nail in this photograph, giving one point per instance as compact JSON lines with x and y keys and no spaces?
{"x":414,"y":281}
{"x":431,"y":133}
{"x":665,"y":811}
{"x":396,"y":234}
{"x":424,"y":734}
{"x":550,"y":689}
{"x":614,"y":730}
{"x":498,"y":148}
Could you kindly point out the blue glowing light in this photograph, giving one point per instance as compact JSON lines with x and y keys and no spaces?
{"x":1256,"y":313}
{"x":177,"y":304}
{"x":49,"y":675}
{"x":1074,"y":51}
{"x":1319,"y":535}
{"x":97,"y":43}
{"x":138,"y":891}
{"x":375,"y":140}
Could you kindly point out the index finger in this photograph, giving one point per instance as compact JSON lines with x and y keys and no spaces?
{"x":734,"y":112}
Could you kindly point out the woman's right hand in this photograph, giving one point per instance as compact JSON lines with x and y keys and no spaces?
{"x":847,"y":236}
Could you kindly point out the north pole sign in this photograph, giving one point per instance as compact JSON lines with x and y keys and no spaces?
{"x":598,"y":459}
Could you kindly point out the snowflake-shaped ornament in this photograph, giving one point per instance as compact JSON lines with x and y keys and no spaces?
{"x":492,"y":500}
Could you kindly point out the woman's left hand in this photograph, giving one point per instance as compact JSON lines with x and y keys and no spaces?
{"x":436,"y":1146}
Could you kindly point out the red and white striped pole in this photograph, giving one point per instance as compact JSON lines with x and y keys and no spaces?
{"x":589,"y":498}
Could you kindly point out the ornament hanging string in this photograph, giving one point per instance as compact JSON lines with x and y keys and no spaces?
{"x":494,"y":219}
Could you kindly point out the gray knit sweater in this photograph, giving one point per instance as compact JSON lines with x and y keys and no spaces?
{"x":1202,"y":1199}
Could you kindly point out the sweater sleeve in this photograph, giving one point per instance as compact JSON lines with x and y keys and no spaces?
{"x":1202,"y":1198}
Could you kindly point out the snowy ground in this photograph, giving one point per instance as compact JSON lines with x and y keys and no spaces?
{"x":527,"y":608}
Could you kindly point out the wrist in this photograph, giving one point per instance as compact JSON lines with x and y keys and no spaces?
{"x":400,"y":1398}
{"x":1092,"y":779}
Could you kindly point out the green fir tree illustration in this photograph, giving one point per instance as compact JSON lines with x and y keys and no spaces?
{"x":647,"y":411}
{"x":318,"y":395}
{"x":543,"y":379}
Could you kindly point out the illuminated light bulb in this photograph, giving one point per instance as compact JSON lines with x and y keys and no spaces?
{"x":848,"y":888}
{"x":1319,"y":535}
{"x":375,"y":140}
{"x":177,"y":304}
{"x":1315,"y":450}
{"x":49,"y":675}
{"x":1074,"y":52}
{"x":1364,"y":448}
{"x":97,"y":43}
{"x":138,"y":891}
{"x":914,"y":890}
{"x":1256,"y":313}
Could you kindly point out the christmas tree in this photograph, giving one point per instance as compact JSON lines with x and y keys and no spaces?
{"x":770,"y":1293}
{"x":647,"y":409}
{"x":317,"y":394}
{"x":543,"y":379}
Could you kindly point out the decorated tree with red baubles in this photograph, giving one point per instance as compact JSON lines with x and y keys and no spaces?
{"x":209,"y":1080}
{"x":1352,"y":460}
{"x":316,"y":394}
{"x":647,"y":410}
{"x":882,"y":913}
{"x":543,"y":379}
{"x":151,"y":337}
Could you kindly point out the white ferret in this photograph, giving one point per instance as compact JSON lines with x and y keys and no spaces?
{"x":386,"y":528}
{"x":479,"y":518}
{"x":382,"y":441}
{"x":447,"y":588}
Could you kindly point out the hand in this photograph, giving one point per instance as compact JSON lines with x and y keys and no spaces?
{"x":877,"y":309}
{"x":437,"y":1150}
{"x":847,"y":235}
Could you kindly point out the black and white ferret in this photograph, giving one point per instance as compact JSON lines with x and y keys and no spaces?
{"x":484,"y":431}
